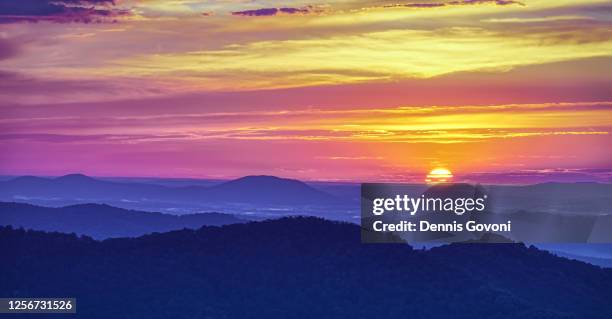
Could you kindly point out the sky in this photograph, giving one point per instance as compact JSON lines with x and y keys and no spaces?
{"x":497,"y":91}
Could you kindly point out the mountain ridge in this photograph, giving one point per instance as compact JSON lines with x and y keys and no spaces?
{"x":303,"y":266}
{"x":102,"y":220}
{"x":255,"y":189}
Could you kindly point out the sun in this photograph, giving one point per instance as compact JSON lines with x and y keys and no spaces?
{"x":439,"y":175}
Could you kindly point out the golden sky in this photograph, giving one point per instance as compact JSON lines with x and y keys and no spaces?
{"x":337,"y":90}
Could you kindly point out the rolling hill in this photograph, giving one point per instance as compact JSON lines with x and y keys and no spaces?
{"x":103,"y":221}
{"x":297,"y":268}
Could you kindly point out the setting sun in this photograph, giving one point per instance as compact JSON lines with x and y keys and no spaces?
{"x":439,"y":175}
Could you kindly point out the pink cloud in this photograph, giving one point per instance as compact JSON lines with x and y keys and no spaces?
{"x":82,"y":11}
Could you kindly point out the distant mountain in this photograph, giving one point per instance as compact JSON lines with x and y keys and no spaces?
{"x":103,"y":221}
{"x":268,"y":189}
{"x":297,"y":268}
{"x":576,"y":198}
{"x":78,"y":188}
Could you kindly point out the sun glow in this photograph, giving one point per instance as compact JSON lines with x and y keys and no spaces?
{"x":439,"y":175}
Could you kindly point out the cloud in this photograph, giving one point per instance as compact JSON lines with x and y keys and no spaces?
{"x":8,"y":49}
{"x":266,"y":12}
{"x":454,"y":3}
{"x":367,"y":57}
{"x":351,"y":158}
{"x":263,"y":12}
{"x":18,"y":88}
{"x":65,"y":11}
{"x":440,"y":124}
{"x":89,"y":138}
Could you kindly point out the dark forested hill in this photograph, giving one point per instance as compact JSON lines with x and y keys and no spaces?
{"x":296,"y":268}
{"x":104,"y":221}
